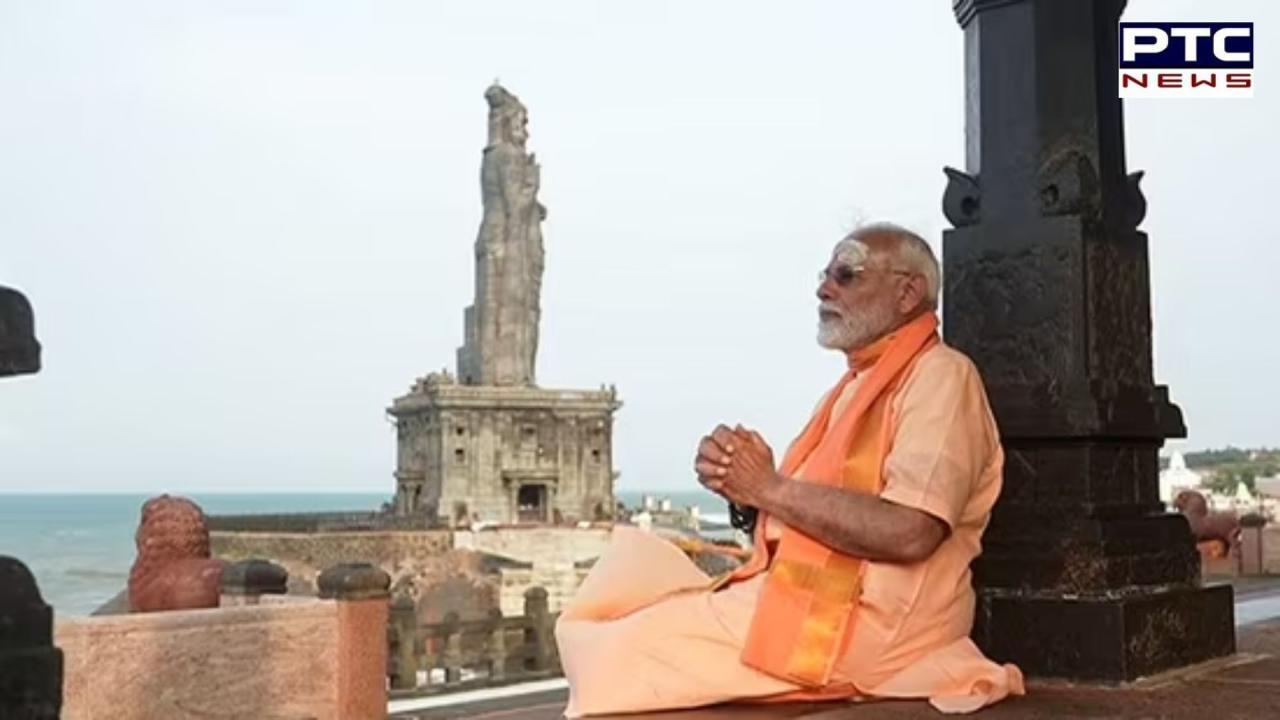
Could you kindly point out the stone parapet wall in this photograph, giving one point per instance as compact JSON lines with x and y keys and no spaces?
{"x":302,"y":522}
{"x":269,"y":660}
{"x":558,"y":560}
{"x":312,"y":522}
{"x":304,"y":555}
{"x":535,"y":544}
{"x":464,"y":571}
{"x":560,"y":580}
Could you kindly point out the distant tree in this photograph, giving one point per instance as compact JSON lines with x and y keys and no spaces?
{"x":1225,"y":480}
{"x":1219,"y":482}
{"x":1211,"y":458}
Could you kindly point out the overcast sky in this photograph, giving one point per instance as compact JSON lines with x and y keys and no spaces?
{"x":247,"y":226}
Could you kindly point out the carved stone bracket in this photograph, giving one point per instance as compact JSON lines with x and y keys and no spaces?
{"x":19,"y":349}
{"x":1134,"y":202}
{"x":962,"y":200}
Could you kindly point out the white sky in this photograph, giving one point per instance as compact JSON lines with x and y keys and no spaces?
{"x":246,"y":226}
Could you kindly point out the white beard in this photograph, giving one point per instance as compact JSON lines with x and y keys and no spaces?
{"x":851,"y":331}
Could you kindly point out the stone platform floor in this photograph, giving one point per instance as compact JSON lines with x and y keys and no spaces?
{"x":1244,"y":686}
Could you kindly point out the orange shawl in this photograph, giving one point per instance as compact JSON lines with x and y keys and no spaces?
{"x":805,"y":611}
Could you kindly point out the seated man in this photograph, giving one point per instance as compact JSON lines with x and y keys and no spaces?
{"x":859,"y":585}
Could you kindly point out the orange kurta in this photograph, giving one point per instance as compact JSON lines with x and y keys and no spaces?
{"x":645,"y":633}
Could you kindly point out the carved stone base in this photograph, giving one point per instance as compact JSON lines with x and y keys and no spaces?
{"x":1063,"y":553}
{"x":1110,"y":638}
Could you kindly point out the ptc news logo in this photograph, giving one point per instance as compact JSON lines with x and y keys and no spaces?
{"x":1186,"y":60}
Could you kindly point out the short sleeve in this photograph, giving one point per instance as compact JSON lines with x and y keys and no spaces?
{"x":943,"y":438}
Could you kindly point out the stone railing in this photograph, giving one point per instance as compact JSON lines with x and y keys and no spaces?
{"x":260,"y":654}
{"x":458,"y":655}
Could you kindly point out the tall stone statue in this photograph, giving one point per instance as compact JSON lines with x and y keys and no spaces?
{"x":488,"y":445}
{"x":502,"y":325}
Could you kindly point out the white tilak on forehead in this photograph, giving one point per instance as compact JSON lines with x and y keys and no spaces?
{"x":852,"y":252}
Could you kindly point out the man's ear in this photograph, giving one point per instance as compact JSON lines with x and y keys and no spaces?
{"x":912,"y":294}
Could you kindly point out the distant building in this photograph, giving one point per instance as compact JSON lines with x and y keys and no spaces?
{"x":1176,"y":478}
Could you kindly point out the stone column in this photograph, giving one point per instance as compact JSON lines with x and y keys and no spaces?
{"x":362,"y":592}
{"x":1083,"y":574}
{"x":245,"y":582}
{"x":30,"y":666}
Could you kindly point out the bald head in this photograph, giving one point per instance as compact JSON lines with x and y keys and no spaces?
{"x":893,"y":246}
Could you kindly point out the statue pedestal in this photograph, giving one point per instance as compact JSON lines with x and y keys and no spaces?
{"x":505,"y":454}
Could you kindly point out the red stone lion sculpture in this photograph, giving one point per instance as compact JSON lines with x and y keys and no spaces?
{"x":1216,"y":533}
{"x":173,"y":570}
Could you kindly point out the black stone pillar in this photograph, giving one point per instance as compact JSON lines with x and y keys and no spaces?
{"x":1083,"y":574}
{"x":30,"y":666}
{"x":19,"y":351}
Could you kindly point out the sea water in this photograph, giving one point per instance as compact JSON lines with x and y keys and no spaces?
{"x":80,"y":546}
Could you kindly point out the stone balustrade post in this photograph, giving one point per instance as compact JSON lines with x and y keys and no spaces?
{"x":497,"y":646}
{"x":452,"y":651}
{"x":362,"y":592}
{"x":404,"y":624}
{"x":1252,"y":560}
{"x":246,"y":581}
{"x":540,"y":635}
{"x":30,"y":666}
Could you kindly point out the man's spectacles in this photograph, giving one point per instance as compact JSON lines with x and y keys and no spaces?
{"x":844,"y":275}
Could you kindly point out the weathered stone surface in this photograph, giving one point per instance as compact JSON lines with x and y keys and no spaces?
{"x":30,"y":666}
{"x":19,"y":349}
{"x":502,"y":326}
{"x":1046,"y":288}
{"x":173,"y":569}
{"x":1111,"y":638}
